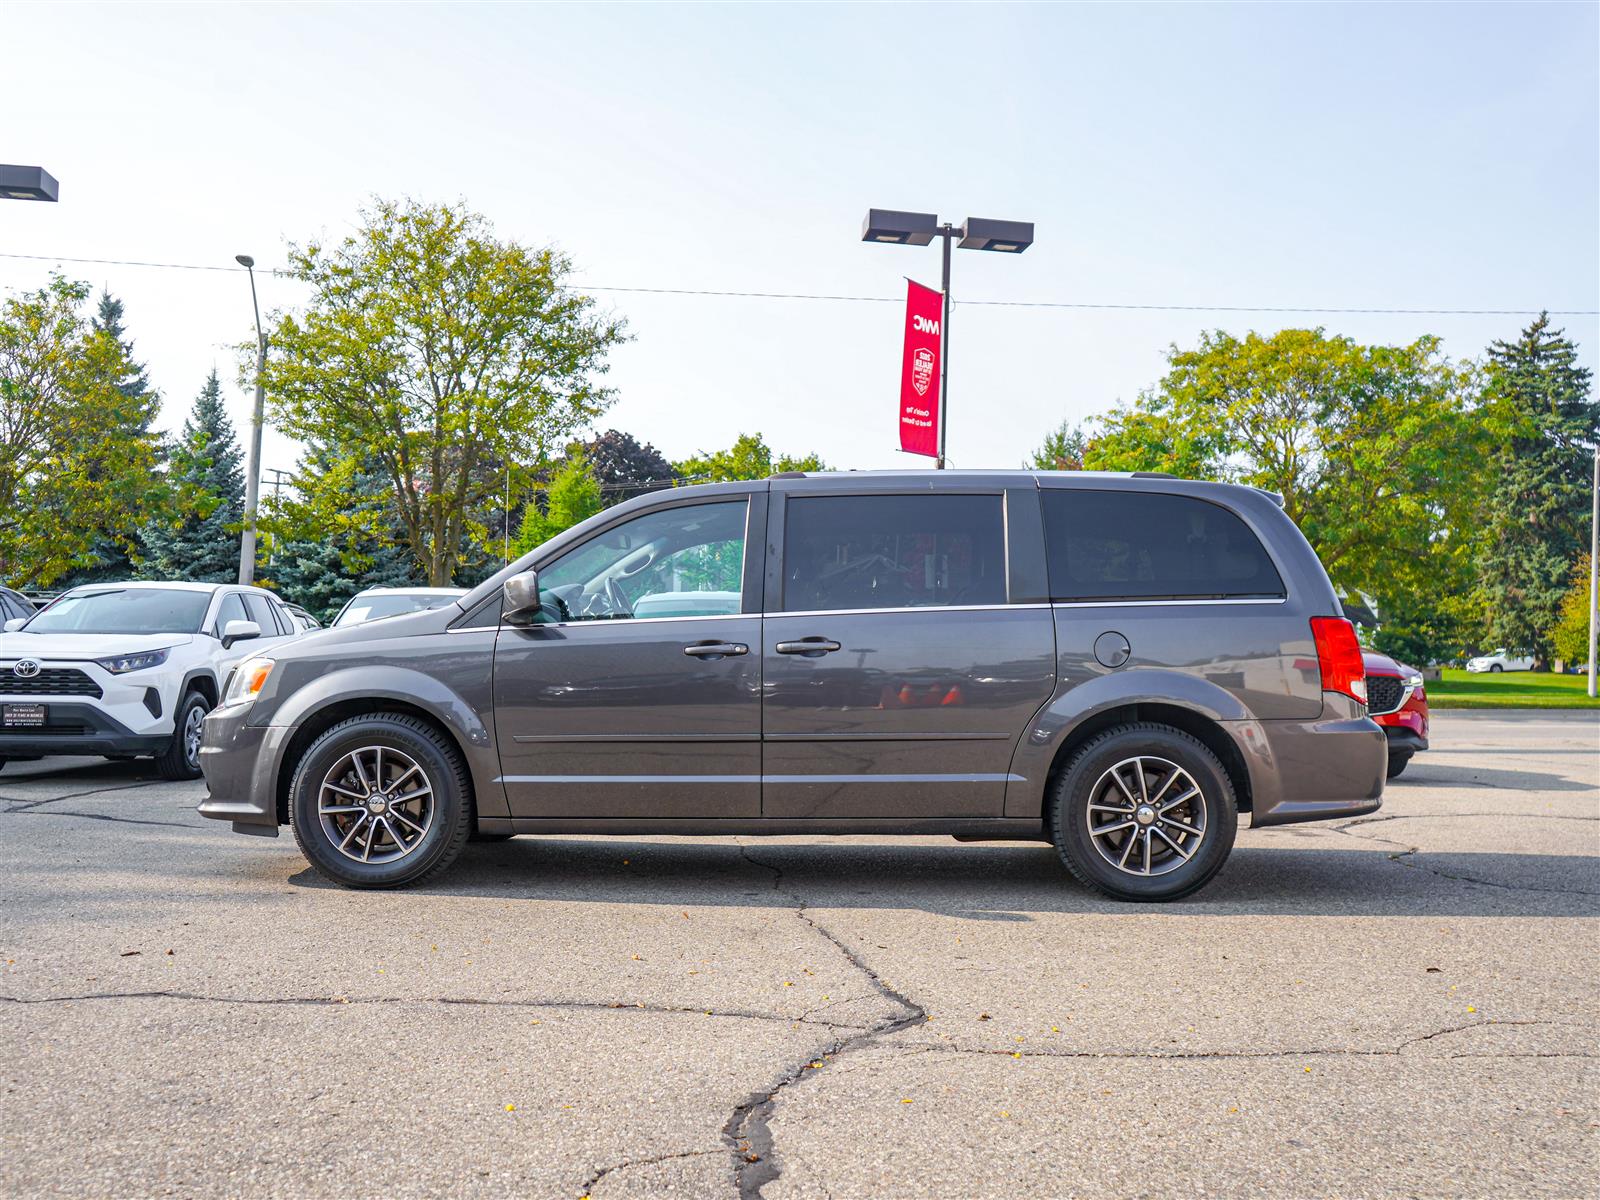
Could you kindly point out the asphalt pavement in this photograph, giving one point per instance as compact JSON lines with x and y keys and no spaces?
{"x":1399,"y":1005}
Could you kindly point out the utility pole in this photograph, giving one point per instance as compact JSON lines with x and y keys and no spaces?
{"x":252,"y":483}
{"x":1594,"y":568}
{"x":278,"y":476}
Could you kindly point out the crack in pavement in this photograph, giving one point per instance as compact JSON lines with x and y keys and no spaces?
{"x":1407,"y":855}
{"x":1317,"y":1052}
{"x":35,"y":812}
{"x":590,"y":1183}
{"x":748,"y":1132}
{"x":346,"y":1001}
{"x":23,"y":805}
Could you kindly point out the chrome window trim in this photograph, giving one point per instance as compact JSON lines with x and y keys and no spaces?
{"x":820,"y":612}
{"x":913,"y":608}
{"x":1166,"y":603}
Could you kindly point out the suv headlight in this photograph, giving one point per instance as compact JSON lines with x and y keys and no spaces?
{"x":1413,"y":680}
{"x":248,"y":680}
{"x":121,"y":664}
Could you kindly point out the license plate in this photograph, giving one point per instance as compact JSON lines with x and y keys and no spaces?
{"x":22,"y":716}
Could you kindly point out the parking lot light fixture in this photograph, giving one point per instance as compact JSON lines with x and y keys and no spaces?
{"x":252,"y":482}
{"x":28,"y":183}
{"x":918,"y":229}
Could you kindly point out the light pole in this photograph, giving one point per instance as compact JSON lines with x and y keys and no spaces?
{"x":1594,"y":568}
{"x":918,"y":229}
{"x":28,"y":183}
{"x":252,"y":482}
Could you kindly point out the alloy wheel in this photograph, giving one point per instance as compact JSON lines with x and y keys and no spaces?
{"x":193,"y":729}
{"x":375,"y":804}
{"x":1146,"y":816}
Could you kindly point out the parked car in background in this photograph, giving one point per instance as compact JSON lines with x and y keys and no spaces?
{"x":373,"y":604}
{"x":1117,"y":665}
{"x":1398,"y":702}
{"x":129,"y":670}
{"x":14,"y":605}
{"x":1501,"y":660}
{"x":303,"y":618}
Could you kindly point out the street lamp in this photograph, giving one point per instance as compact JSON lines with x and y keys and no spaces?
{"x":27,"y":183}
{"x":918,"y":229}
{"x":252,"y":482}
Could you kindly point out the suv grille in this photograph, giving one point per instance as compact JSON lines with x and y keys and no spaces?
{"x":1385,"y":693}
{"x":52,"y":681}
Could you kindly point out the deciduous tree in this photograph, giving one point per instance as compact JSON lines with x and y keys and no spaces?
{"x":77,"y":460}
{"x":435,"y":350}
{"x":748,"y":458}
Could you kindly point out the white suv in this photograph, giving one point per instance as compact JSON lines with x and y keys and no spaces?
{"x":129,"y":669}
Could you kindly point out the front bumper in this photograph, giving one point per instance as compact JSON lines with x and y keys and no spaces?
{"x":237,"y":760}
{"x":1404,"y":740}
{"x":76,"y":727}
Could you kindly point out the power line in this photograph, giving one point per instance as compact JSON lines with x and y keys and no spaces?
{"x":1085,"y":306}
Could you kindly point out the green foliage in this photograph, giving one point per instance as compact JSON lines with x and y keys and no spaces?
{"x":572,"y":497}
{"x":1377,"y":451}
{"x":335,"y":534}
{"x":77,"y":458}
{"x":1570,"y":638}
{"x":1063,"y":449}
{"x":1537,"y":515}
{"x":196,"y":538}
{"x":748,"y":458}
{"x":440,"y":354}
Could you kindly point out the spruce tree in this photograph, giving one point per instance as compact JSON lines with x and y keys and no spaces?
{"x":1537,"y":519}
{"x":198,"y":538}
{"x":110,"y":558}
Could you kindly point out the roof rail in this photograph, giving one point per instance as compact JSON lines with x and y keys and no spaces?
{"x":787,"y":475}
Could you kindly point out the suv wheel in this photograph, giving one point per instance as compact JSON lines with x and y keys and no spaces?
{"x":1144,"y":812}
{"x":1397,"y":764}
{"x":380,"y":801}
{"x":2,"y":764}
{"x":182,"y":758}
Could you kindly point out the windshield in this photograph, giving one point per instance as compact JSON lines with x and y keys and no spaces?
{"x":132,"y":610}
{"x":373,"y":608}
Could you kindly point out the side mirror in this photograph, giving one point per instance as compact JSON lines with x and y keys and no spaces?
{"x":239,"y":631}
{"x":521,"y":595}
{"x":15,"y":623}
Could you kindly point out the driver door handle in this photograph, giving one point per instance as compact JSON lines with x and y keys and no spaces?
{"x":811,"y":647}
{"x":716,"y":649}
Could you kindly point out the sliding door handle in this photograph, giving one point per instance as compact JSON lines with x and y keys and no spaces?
{"x":811,"y":647}
{"x":716,"y":649}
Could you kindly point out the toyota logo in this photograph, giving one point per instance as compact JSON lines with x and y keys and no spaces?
{"x":26,"y":669}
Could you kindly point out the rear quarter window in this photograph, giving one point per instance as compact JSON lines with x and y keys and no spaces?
{"x":1111,"y":545}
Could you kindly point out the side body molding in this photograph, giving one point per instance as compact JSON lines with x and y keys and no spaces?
{"x":1077,"y":702}
{"x":452,"y":706}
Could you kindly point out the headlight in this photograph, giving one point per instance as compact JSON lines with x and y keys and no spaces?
{"x":1413,"y":680}
{"x":121,"y":664}
{"x":248,"y":680}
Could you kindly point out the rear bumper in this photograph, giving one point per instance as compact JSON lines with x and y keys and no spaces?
{"x":237,"y":761}
{"x":77,"y":728}
{"x":1318,"y":770}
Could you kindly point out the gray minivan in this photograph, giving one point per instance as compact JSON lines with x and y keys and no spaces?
{"x":1119,"y":665}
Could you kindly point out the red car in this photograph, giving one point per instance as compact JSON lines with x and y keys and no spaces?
{"x":1397,"y":700}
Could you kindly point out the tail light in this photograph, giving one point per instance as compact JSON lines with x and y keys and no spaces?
{"x":1339,"y":657}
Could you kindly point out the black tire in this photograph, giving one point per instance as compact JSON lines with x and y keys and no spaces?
{"x":1397,"y":764}
{"x":2,"y":764}
{"x":181,"y":759}
{"x":445,"y":831}
{"x":1087,"y":779}
{"x":1496,"y":668}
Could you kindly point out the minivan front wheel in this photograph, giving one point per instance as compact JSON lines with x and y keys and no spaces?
{"x":1144,"y":812}
{"x":380,"y":801}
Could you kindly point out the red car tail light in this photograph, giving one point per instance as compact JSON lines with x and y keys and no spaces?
{"x":1339,"y":657}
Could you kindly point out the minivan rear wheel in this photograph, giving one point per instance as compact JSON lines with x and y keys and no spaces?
{"x":1144,"y":812}
{"x":380,"y":801}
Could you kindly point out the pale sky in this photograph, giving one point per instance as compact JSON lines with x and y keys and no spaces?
{"x":1389,"y":156}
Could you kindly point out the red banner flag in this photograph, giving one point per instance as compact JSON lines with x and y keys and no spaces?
{"x":919,"y":374}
